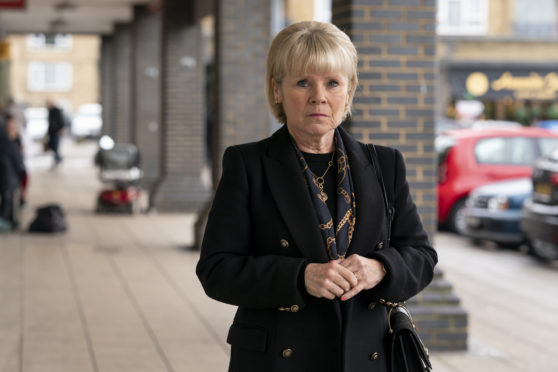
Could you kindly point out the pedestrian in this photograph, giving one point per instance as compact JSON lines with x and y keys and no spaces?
{"x":55,"y":130}
{"x":297,"y":235}
{"x":12,"y":171}
{"x":13,"y":131}
{"x":15,"y":110}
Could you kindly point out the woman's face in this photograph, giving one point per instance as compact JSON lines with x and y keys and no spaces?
{"x":314,"y":104}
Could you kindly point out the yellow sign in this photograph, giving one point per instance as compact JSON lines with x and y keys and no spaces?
{"x":4,"y":50}
{"x":477,"y":84}
{"x":533,"y":86}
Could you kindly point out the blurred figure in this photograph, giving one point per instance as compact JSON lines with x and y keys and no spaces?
{"x":15,"y":110}
{"x":12,"y":171}
{"x":55,"y":129}
{"x":14,"y":133}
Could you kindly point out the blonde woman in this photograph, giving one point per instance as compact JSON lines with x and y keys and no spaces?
{"x":297,"y":234}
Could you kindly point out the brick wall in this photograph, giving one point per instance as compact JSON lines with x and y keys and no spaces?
{"x":147,"y":95}
{"x":181,"y":187}
{"x":395,"y":106}
{"x":243,"y":37}
{"x":124,"y":67}
{"x":395,"y":102}
{"x":108,"y":85}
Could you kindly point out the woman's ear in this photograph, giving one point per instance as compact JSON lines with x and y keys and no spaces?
{"x":276,"y":91}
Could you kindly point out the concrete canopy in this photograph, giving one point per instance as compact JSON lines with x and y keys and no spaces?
{"x":69,"y":16}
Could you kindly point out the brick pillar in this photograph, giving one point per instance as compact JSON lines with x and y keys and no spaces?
{"x":147,"y":29}
{"x":108,"y":85}
{"x":181,"y":187}
{"x":123,"y":52}
{"x":243,"y":37}
{"x":395,"y":106}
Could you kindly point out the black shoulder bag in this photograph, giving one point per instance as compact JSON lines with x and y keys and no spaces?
{"x":406,"y":351}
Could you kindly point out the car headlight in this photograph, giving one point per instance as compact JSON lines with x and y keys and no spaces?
{"x":498,"y":203}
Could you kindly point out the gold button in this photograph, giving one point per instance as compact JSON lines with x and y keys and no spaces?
{"x":371,"y":306}
{"x":374,"y":356}
{"x":284,"y":243}
{"x":287,"y":353}
{"x":380,"y":245}
{"x":295,"y":308}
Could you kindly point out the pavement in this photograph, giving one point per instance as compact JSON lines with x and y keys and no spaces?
{"x":119,"y":293}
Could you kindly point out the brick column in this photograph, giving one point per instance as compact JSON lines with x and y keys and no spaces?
{"x":123,"y":83}
{"x":107,"y":67}
{"x":181,"y":187}
{"x":147,"y":30}
{"x":243,"y":37}
{"x":395,"y":106}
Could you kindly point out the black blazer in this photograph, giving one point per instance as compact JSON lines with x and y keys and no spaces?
{"x":262,"y":229}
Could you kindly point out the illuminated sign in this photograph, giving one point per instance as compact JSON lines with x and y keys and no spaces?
{"x":493,"y":83}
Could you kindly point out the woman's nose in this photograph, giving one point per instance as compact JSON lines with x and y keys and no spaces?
{"x":318,"y":95}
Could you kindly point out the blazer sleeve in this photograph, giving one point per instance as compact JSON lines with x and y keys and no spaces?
{"x":228,"y":269}
{"x":410,"y":259}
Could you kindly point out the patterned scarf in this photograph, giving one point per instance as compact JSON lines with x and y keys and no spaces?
{"x":338,"y":239}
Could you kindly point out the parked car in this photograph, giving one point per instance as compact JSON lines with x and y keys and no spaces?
{"x":493,"y":211}
{"x":469,"y":158}
{"x":493,"y":124}
{"x":87,"y":121}
{"x":36,"y":122}
{"x":548,"y":124}
{"x":540,"y":213}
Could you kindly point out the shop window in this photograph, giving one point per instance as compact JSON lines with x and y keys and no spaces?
{"x":462,"y":17}
{"x":49,"y":76}
{"x":50,"y":41}
{"x":506,"y":151}
{"x":535,"y":18}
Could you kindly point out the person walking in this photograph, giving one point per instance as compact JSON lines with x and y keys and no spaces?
{"x":55,"y":130}
{"x":297,"y":235}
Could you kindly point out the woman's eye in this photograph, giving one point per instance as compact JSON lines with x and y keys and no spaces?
{"x":302,"y":83}
{"x":333,"y":84}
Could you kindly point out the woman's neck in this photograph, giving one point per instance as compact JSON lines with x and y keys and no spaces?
{"x":314,"y":144}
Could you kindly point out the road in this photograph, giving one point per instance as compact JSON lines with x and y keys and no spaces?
{"x":512,"y":300}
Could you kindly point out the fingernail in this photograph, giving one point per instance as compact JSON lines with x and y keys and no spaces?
{"x":343,"y":298}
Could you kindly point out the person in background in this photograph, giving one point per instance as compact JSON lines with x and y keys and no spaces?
{"x":297,"y":235}
{"x":12,"y":171}
{"x":15,"y":110}
{"x":56,"y":124}
{"x":12,"y":128}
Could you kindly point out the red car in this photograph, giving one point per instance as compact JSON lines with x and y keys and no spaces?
{"x":469,"y":158}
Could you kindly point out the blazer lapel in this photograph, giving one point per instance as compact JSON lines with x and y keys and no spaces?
{"x":289,"y":190}
{"x":369,"y":203}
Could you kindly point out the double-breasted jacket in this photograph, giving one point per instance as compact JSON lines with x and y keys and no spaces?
{"x":261,"y":231}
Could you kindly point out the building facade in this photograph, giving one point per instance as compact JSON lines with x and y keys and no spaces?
{"x":62,"y":67}
{"x":503,"y":53}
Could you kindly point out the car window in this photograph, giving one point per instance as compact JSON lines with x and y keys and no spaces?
{"x":547,"y":146}
{"x":506,"y":151}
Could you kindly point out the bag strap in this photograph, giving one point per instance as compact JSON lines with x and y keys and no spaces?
{"x":390,"y":210}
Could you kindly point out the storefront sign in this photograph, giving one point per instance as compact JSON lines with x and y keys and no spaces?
{"x":517,"y":83}
{"x":12,"y":4}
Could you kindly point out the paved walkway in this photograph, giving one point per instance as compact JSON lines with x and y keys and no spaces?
{"x":118,"y":293}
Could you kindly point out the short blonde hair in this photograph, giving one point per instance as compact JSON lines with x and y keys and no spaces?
{"x":310,"y":47}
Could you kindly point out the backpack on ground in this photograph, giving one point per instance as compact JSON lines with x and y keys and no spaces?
{"x":49,"y":219}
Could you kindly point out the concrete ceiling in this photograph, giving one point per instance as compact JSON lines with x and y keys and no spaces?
{"x":69,"y":16}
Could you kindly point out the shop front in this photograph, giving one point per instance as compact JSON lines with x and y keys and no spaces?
{"x":523,"y":93}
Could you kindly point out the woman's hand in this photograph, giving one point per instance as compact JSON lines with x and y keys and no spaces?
{"x":369,"y":273}
{"x":328,"y":280}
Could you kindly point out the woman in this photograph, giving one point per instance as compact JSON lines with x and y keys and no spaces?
{"x":295,"y":237}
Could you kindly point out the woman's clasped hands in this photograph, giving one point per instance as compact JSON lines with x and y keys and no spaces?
{"x":343,"y":278}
